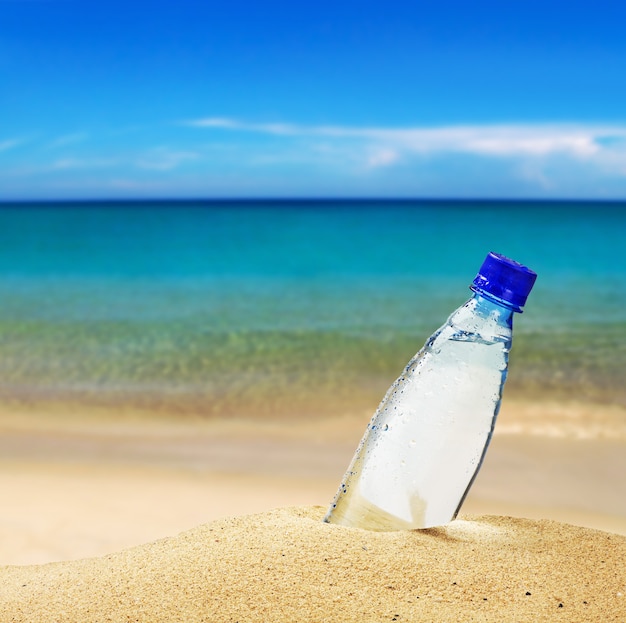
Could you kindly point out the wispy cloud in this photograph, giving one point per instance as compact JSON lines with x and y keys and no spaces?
{"x":158,"y":159}
{"x":68,"y":139}
{"x":164,"y":159}
{"x":10,"y":143}
{"x":265,"y":128}
{"x":82,"y":163}
{"x":228,"y":155}
{"x":502,"y":140}
{"x":382,"y":157}
{"x":494,"y":140}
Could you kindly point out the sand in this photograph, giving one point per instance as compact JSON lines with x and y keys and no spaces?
{"x":86,"y":491}
{"x":286,"y":565}
{"x":78,"y":484}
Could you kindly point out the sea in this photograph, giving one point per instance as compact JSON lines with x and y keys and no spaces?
{"x":293,"y":309}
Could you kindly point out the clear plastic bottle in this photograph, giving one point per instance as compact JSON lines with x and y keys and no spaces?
{"x":426,"y":442}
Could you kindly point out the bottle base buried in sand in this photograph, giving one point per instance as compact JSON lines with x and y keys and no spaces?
{"x":362,"y":513}
{"x":426,"y":442}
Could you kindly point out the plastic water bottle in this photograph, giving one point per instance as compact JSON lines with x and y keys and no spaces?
{"x":426,"y":442}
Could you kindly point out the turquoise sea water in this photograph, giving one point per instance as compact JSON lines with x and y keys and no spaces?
{"x":294,"y":308}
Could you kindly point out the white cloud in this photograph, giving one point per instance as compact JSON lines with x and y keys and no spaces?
{"x":214,"y":122}
{"x":495,"y":140}
{"x":547,"y":159}
{"x":233,"y":124}
{"x":498,"y":140}
{"x":382,"y":157}
{"x":163,"y":159}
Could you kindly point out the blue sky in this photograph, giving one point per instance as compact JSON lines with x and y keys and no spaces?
{"x":325,"y":99}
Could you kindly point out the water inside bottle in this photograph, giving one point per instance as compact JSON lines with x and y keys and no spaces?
{"x":429,"y":435}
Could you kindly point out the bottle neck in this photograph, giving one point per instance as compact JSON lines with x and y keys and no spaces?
{"x":491,"y":308}
{"x":496,"y":300}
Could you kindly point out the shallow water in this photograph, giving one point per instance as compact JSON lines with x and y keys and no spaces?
{"x":286,"y":308}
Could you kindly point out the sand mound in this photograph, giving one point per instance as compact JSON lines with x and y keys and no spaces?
{"x":287,"y":566}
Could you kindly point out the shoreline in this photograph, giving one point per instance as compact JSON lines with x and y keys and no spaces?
{"x":531,"y":416}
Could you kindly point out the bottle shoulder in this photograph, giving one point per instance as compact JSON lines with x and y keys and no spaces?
{"x":472,"y":323}
{"x":479,"y":320}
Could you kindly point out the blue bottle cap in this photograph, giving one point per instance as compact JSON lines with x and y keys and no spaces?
{"x":504,"y":279}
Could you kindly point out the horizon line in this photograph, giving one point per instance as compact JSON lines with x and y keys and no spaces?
{"x":307,"y":200}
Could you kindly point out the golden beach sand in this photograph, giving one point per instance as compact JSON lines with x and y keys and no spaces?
{"x":81,"y":488}
{"x":287,"y":565}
